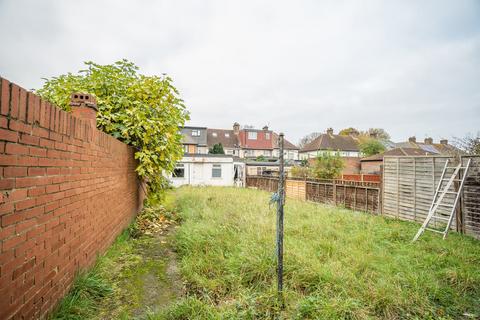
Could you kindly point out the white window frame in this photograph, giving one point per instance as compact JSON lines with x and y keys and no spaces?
{"x":267,"y":135}
{"x":216,"y":171}
{"x":179,"y":166}
{"x":252,"y":135}
{"x":227,"y":135}
{"x":214,"y":134}
{"x":196,"y":133}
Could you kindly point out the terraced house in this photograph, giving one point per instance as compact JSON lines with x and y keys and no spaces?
{"x":250,"y":143}
{"x":194,"y":140}
{"x":346,"y":146}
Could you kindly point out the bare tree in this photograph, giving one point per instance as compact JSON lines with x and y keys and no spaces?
{"x":308,"y":138}
{"x":470,"y":144}
{"x":378,"y":133}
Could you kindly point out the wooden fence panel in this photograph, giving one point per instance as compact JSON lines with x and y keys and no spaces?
{"x":409,"y":185}
{"x":263,"y":183}
{"x":361,"y":196}
{"x":295,"y":189}
{"x":471,"y":198}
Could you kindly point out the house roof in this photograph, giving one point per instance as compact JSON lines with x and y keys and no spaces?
{"x":398,"y":152}
{"x":435,"y":148}
{"x":332,"y":142}
{"x":269,"y":164}
{"x":227,"y":138}
{"x":262,"y":142}
{"x":187,"y":137}
{"x":287,"y":145}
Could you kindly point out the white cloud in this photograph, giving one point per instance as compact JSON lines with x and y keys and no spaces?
{"x":406,"y":66}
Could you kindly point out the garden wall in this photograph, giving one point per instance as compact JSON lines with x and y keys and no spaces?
{"x":66,"y":191}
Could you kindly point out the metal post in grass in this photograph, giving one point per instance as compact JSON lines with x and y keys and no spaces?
{"x":280,"y":204}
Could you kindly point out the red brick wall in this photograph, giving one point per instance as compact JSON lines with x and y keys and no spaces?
{"x":352,"y":164}
{"x":372,"y":167}
{"x":66,"y":191}
{"x":362,"y":177}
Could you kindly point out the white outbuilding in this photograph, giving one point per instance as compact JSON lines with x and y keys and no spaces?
{"x":208,"y":170}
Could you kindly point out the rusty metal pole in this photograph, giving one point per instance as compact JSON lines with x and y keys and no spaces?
{"x":280,"y":204}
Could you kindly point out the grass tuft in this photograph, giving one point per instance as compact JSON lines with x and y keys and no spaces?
{"x":88,"y":289}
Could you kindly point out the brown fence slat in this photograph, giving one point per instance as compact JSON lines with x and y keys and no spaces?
{"x":355,"y":195}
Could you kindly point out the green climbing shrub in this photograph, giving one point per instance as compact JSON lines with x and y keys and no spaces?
{"x":142,"y":111}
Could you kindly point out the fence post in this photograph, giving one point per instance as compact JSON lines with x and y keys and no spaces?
{"x":280,"y":204}
{"x":335,"y":192}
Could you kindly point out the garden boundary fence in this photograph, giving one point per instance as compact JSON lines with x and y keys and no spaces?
{"x":409,"y":185}
{"x":355,"y":195}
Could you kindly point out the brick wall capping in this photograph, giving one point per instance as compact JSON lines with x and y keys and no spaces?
{"x":78,"y":99}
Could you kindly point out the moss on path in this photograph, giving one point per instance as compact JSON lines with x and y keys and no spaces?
{"x":144,"y":276}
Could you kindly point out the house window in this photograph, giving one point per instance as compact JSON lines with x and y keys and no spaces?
{"x":261,"y":170}
{"x":195,"y":133}
{"x":179,"y":171}
{"x":252,"y":135}
{"x":229,"y":151}
{"x":227,"y":135}
{"x":267,"y":136}
{"x":216,"y":171}
{"x":185,"y":148}
{"x":214,"y":134}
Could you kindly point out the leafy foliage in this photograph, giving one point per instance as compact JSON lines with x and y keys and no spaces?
{"x":217,"y":149}
{"x":376,"y":133}
{"x":349,"y":131}
{"x":261,"y":158}
{"x":142,"y":111}
{"x":369,"y":147}
{"x":300,"y":172}
{"x":328,"y":166}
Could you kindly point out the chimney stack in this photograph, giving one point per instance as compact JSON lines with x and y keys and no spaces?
{"x":444,"y":141}
{"x":84,"y":106}
{"x":265,"y":128}
{"x":330,"y":131}
{"x":412,"y":139}
{"x":428,"y":140}
{"x":236,"y":128}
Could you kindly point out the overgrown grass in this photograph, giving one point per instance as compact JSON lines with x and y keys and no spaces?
{"x":115,"y":287}
{"x":92,"y":286}
{"x":339,"y":264}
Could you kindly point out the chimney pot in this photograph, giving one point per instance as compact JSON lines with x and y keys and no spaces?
{"x":265,"y":128}
{"x":428,"y":140}
{"x":84,"y":106}
{"x":412,"y":139}
{"x":236,"y":128}
{"x":330,"y":131}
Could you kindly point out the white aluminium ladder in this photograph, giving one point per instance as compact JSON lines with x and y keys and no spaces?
{"x":440,"y":192}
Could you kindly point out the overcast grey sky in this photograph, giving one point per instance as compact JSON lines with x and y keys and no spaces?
{"x":411,"y":67}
